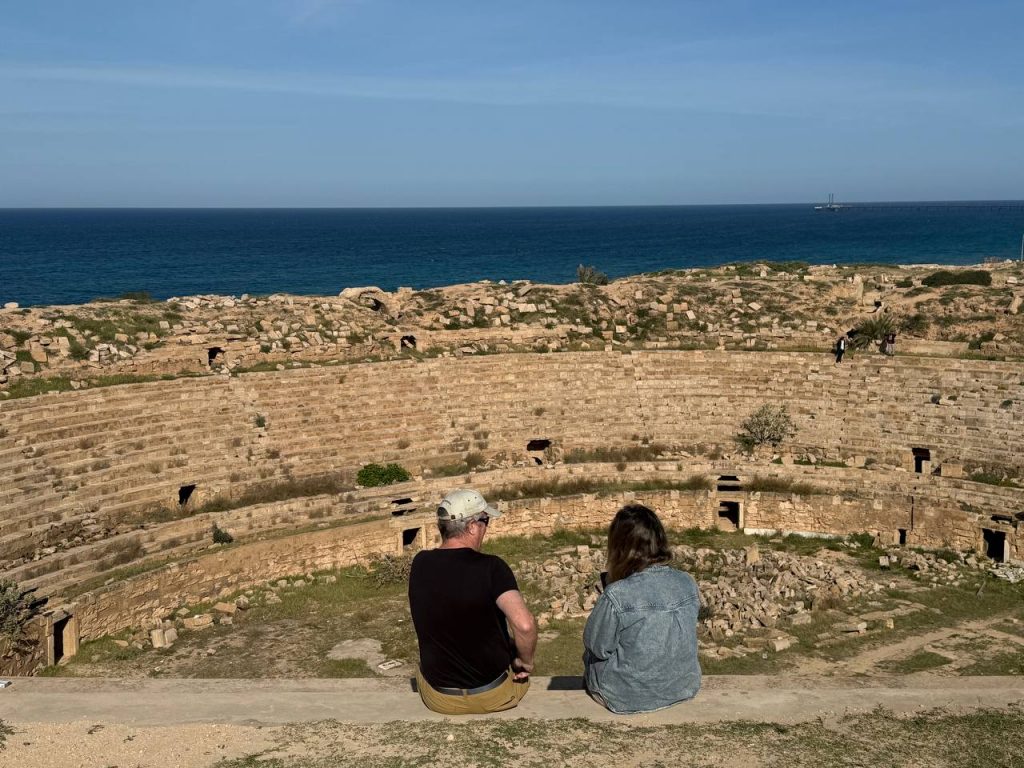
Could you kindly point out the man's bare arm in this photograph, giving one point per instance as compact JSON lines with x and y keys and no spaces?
{"x":524,"y":630}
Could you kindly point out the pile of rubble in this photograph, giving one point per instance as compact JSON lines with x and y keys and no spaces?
{"x":935,"y":569}
{"x":164,"y":632}
{"x":741,"y":590}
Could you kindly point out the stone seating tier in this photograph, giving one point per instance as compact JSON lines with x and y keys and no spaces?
{"x":59,"y":457}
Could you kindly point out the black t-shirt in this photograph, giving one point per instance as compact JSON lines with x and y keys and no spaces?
{"x":464,"y":640}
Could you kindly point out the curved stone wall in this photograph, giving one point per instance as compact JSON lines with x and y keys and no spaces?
{"x":120,"y":450}
{"x":81,"y":471}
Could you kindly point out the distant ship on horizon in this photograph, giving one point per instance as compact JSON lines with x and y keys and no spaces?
{"x":831,"y":205}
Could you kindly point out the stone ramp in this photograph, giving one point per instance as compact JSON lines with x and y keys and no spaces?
{"x":149,"y":702}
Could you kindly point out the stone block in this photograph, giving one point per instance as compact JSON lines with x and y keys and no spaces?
{"x":951,"y":469}
{"x":156,"y":637}
{"x":226,"y":608}
{"x":853,"y":627}
{"x":202,"y":621}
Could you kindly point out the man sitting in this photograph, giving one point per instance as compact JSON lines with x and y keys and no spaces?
{"x":462,"y":602}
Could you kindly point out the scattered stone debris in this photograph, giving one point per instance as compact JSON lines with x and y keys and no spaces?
{"x":750,"y":595}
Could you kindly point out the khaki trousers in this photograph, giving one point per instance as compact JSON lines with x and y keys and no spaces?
{"x":505,"y":696}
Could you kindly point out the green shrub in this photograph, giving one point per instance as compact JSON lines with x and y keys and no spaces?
{"x":139,"y":297}
{"x":590,"y":275}
{"x":959,"y":277}
{"x":15,"y":610}
{"x":915,"y":325}
{"x":260,"y":421}
{"x":976,"y":342}
{"x":768,"y":425}
{"x":220,"y":536}
{"x":875,"y":328}
{"x":373,"y":475}
{"x":5,"y":731}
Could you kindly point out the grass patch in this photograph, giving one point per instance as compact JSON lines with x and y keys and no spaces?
{"x":1005,"y":663}
{"x":548,"y":488}
{"x":281,"y":490}
{"x":765,"y":484}
{"x":921,"y":661}
{"x":32,"y":387}
{"x":614,"y":454}
{"x":882,"y":739}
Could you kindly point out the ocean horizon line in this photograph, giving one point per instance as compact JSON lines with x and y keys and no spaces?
{"x":571,"y":206}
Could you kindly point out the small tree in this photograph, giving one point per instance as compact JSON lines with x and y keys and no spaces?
{"x":768,"y":425}
{"x":15,"y":610}
{"x":591,"y":275}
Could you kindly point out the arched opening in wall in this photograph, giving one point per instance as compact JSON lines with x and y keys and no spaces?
{"x":729,"y":515}
{"x":995,"y":545}
{"x":903,"y":536}
{"x":214,"y":356}
{"x":185,"y":494}
{"x":408,"y":342}
{"x":921,"y":455}
{"x":409,"y":537}
{"x":538,"y":445}
{"x":729,"y":484}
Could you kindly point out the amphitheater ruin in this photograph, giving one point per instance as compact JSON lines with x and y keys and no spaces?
{"x":130,"y":429}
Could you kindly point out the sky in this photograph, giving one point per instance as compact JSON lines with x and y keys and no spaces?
{"x":286,"y":103}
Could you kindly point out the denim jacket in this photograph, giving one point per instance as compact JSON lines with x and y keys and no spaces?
{"x":641,"y":641}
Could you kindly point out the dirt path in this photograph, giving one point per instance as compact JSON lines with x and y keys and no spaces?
{"x":868,"y":662}
{"x":197,"y":723}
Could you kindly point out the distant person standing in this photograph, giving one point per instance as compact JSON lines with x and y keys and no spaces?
{"x":840,"y":349}
{"x":462,"y":603}
{"x":889,"y":347}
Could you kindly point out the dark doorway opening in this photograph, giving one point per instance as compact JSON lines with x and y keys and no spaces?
{"x":214,"y":355}
{"x":185,"y":493}
{"x":408,"y":342}
{"x":59,"y":628}
{"x":921,"y":455}
{"x":729,"y":514}
{"x":409,"y":536}
{"x":995,"y":544}
{"x":538,"y":445}
{"x":903,"y":537}
{"x":729,"y":483}
{"x":400,"y":507}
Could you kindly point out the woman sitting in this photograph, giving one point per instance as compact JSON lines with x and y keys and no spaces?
{"x":641,"y":639}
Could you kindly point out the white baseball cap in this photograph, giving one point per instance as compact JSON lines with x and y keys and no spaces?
{"x":465,"y":504}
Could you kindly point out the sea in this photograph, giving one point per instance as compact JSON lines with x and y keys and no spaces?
{"x":63,"y":256}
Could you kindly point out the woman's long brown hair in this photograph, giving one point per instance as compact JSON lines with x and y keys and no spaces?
{"x":636,"y":540}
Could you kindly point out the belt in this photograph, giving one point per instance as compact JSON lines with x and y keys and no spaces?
{"x":470,"y":691}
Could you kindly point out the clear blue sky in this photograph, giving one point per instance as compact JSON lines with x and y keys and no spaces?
{"x":430,"y":102}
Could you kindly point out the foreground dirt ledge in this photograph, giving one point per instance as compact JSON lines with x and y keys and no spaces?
{"x":765,"y":699}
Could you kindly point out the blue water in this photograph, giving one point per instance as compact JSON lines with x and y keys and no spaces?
{"x":71,"y":256}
